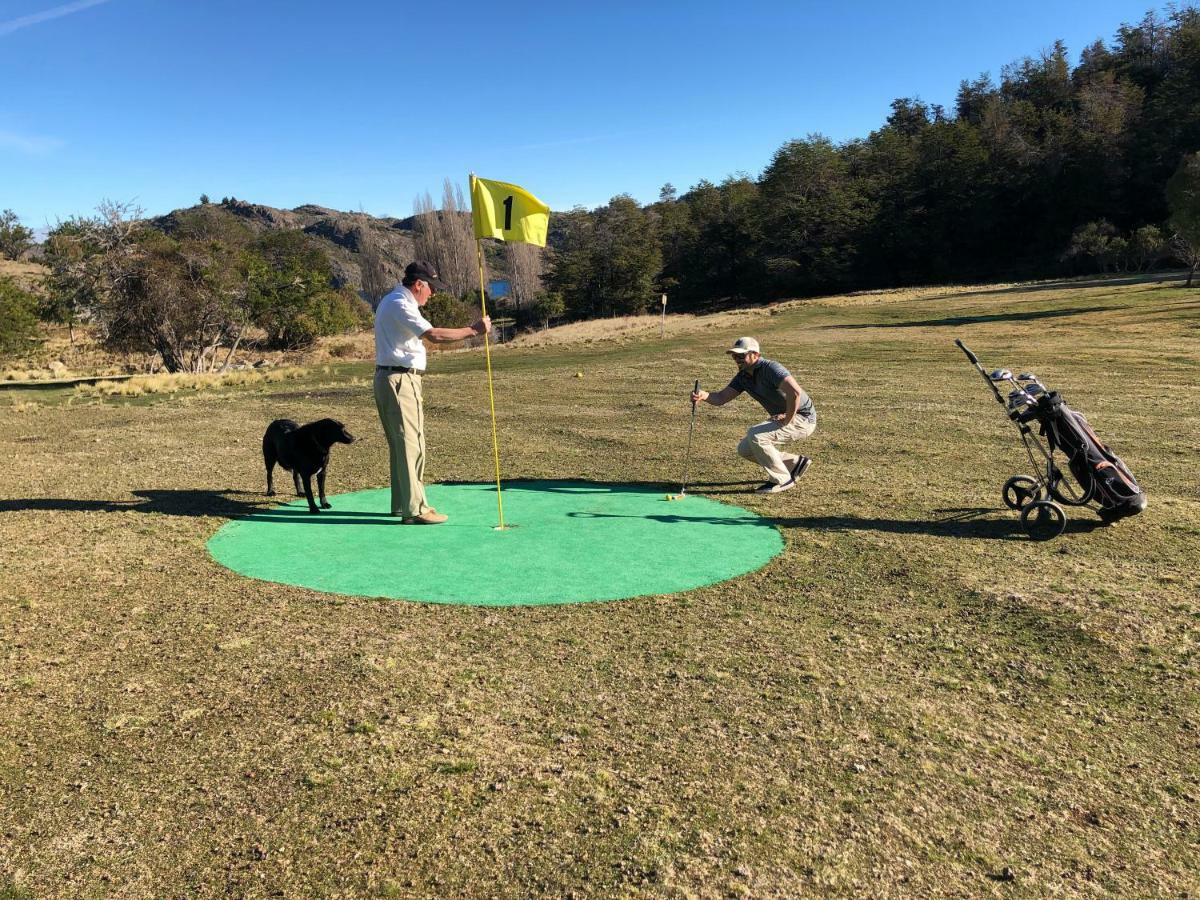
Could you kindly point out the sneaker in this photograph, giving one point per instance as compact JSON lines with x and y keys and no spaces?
{"x":771,"y":487}
{"x":429,"y":517}
{"x":800,"y":467}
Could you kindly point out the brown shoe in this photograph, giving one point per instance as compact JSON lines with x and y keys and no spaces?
{"x":429,"y":517}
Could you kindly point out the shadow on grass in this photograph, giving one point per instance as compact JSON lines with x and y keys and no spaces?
{"x":974,"y":522}
{"x":980,"y":319}
{"x":674,"y":518}
{"x":230,"y":503}
{"x":1068,"y":283}
{"x":164,"y":502}
{"x":971,"y":522}
{"x":224,"y":504}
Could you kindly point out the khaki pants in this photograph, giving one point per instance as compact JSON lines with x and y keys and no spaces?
{"x":762,"y":442}
{"x":401,"y":410}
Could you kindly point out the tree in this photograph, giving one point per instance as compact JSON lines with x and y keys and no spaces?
{"x":210,"y":224}
{"x":1096,"y":243}
{"x":547,"y":307}
{"x":675,"y":234}
{"x":571,"y":274}
{"x":1188,"y":252}
{"x":15,"y":238}
{"x":145,"y":290}
{"x":446,"y":239}
{"x":1183,"y":196}
{"x":1147,"y":246}
{"x":447,"y":311}
{"x":18,"y":319}
{"x":186,"y":294}
{"x":812,"y":211}
{"x":611,"y":271}
{"x":973,"y":97}
{"x":289,"y":291}
{"x":377,"y":277}
{"x":525,"y":267}
{"x":70,"y":291}
{"x":711,"y":243}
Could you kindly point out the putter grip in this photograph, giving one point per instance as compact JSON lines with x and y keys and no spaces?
{"x":695,"y":388}
{"x":963,"y":347}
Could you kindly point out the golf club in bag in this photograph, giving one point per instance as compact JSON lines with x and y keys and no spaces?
{"x":1093,"y":474}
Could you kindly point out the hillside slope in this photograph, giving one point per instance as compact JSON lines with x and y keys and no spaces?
{"x":341,"y":234}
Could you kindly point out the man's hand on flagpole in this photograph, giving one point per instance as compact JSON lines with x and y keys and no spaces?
{"x":483,"y":326}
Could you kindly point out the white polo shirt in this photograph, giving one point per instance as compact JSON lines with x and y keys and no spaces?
{"x":398,"y":329}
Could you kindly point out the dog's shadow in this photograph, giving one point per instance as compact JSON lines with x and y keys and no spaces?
{"x":227,"y":504}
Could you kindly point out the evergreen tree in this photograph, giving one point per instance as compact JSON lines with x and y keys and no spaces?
{"x":1183,"y":194}
{"x":18,"y":319}
{"x":15,"y":238}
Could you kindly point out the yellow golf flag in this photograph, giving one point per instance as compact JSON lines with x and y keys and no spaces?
{"x":507,"y":212}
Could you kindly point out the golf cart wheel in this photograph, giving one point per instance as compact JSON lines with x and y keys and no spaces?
{"x":1020,"y":491}
{"x":1065,"y":488}
{"x":1043,"y":520}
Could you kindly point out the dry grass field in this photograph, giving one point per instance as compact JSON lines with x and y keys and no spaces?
{"x":912,"y":700}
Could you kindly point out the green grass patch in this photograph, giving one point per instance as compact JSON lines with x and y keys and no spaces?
{"x":912,"y":699}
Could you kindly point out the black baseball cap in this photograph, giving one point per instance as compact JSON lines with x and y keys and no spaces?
{"x":426,"y":272}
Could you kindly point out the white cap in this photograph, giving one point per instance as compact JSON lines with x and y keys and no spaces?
{"x":744,"y":345}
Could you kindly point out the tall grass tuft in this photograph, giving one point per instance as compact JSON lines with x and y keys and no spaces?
{"x":173,"y":383}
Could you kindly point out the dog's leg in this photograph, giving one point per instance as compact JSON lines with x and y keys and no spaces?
{"x":296,"y":482}
{"x":269,"y":462}
{"x":325,"y":504}
{"x":312,"y":506}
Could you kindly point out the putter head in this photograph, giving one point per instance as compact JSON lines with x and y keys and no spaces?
{"x":1027,"y":376}
{"x":1001,"y":375}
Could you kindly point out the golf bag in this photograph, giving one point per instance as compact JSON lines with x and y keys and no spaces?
{"x":1071,"y":465}
{"x":1102,"y":476}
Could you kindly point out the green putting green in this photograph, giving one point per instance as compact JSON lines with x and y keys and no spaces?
{"x":569,"y":542}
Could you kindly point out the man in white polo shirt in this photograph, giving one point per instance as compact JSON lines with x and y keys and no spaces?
{"x":399,"y":364}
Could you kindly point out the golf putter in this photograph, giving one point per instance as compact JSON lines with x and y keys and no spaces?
{"x":687,"y":459}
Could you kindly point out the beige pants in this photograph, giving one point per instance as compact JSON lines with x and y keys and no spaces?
{"x":762,"y":442}
{"x":401,"y":410}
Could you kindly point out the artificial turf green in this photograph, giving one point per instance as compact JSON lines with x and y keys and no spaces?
{"x":569,"y":542}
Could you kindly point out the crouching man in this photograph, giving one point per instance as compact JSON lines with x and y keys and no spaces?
{"x":793,"y":416}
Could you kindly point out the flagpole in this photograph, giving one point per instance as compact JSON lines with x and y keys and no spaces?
{"x":487,"y":350}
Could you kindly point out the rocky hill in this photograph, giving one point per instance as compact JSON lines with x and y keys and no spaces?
{"x":342,"y":234}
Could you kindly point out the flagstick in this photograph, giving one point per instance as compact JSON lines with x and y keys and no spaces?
{"x":491,"y":394}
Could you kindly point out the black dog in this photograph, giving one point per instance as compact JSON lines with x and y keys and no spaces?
{"x":303,"y":451}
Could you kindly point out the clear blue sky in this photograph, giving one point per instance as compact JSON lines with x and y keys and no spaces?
{"x":366,"y":104}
